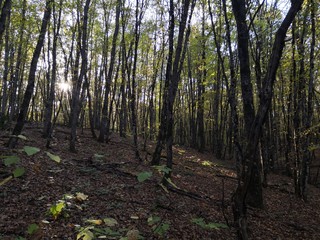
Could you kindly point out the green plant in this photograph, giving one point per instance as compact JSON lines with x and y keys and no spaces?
{"x":13,"y":161}
{"x":211,"y":225}
{"x":163,"y":169}
{"x":105,"y":229}
{"x":159,"y":227}
{"x":32,"y":228}
{"x":9,"y":162}
{"x":57,"y":209}
{"x":143,"y":176}
{"x":30,"y":151}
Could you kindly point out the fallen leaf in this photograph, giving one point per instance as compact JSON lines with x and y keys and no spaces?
{"x":95,"y":221}
{"x":81,"y":196}
{"x":110,"y":222}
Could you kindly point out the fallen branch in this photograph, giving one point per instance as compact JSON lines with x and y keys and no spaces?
{"x":184,"y":193}
{"x":226,"y":176}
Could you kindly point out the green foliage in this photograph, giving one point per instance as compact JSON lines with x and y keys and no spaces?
{"x":103,"y":229}
{"x":163,"y":169}
{"x":161,"y":229}
{"x":86,"y":233}
{"x":10,"y":160}
{"x":32,"y":228}
{"x":206,"y":163}
{"x":153,"y":220}
{"x":54,"y":157}
{"x":56,"y":209}
{"x":13,"y":160}
{"x":18,"y":172}
{"x":211,"y":225}
{"x":30,"y":150}
{"x":143,"y":176}
{"x":158,"y":226}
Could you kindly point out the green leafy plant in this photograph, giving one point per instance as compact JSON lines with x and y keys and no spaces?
{"x":211,"y":225}
{"x":159,"y":227}
{"x":163,"y":169}
{"x":10,"y":160}
{"x":143,"y":176}
{"x":16,"y":172}
{"x":57,"y":209}
{"x":31,"y":150}
{"x":32,"y":228}
{"x":54,"y":157}
{"x":103,"y":229}
{"x":86,"y":233}
{"x":13,"y":161}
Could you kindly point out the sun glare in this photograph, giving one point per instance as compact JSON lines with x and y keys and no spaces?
{"x":64,"y":86}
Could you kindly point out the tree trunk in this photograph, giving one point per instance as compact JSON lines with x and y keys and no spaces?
{"x":174,"y":76}
{"x":251,"y":192}
{"x":4,"y":17}
{"x":201,"y":87}
{"x":104,"y":120}
{"x":50,"y":101}
{"x":7,"y":57}
{"x":138,"y":19}
{"x":31,"y":79}
{"x":75,"y":110}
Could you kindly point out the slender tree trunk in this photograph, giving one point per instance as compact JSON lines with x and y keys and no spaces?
{"x":201,"y":87}
{"x":31,"y":79}
{"x":251,"y":192}
{"x":4,"y":17}
{"x":104,"y":120}
{"x":123,"y":108}
{"x":163,"y":116}
{"x":18,"y":67}
{"x":7,"y":58}
{"x":75,"y":110}
{"x":49,"y":104}
{"x":139,"y":16}
{"x":174,"y":77}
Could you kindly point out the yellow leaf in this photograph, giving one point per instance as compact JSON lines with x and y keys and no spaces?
{"x":95,"y":221}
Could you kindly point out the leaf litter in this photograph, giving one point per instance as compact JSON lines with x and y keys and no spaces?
{"x":102,"y":193}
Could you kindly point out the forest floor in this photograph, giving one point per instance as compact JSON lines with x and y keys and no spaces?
{"x":96,"y":191}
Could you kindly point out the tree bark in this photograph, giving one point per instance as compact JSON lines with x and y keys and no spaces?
{"x":104,"y":120}
{"x":31,"y":79}
{"x":5,"y":12}
{"x":50,"y":101}
{"x":251,"y":191}
{"x":75,"y":110}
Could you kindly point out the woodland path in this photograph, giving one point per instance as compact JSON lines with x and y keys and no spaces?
{"x":101,"y":183}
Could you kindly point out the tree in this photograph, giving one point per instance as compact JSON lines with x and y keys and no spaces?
{"x":31,"y":79}
{"x":78,"y":79}
{"x":104,"y":118}
{"x":251,"y":191}
{"x":5,"y":12}
{"x":50,"y":101}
